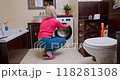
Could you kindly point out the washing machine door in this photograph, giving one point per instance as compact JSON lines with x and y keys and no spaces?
{"x":64,"y":33}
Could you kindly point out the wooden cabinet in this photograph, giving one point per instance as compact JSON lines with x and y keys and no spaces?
{"x":34,"y":30}
{"x":87,"y":29}
{"x":13,"y":51}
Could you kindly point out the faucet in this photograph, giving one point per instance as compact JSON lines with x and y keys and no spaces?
{"x":2,"y":32}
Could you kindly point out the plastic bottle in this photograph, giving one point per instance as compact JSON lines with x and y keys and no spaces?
{"x":106,"y":31}
{"x":6,"y":25}
{"x":102,"y":29}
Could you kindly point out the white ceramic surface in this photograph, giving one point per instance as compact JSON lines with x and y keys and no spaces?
{"x":12,"y":34}
{"x":103,"y":56}
{"x":103,"y":42}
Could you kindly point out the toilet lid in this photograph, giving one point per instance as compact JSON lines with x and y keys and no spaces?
{"x":103,"y":42}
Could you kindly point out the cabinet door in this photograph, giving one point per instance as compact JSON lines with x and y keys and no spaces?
{"x":81,"y":31}
{"x":82,"y":50}
{"x":81,"y":26}
{"x":24,"y":42}
{"x":36,"y":31}
{"x":30,"y":27}
{"x":92,"y":29}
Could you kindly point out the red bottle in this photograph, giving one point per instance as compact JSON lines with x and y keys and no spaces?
{"x":102,"y":29}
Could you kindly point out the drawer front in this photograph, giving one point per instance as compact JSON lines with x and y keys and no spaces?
{"x":92,"y":34}
{"x":34,"y":30}
{"x":92,"y":26}
{"x":82,"y":50}
{"x":81,"y":36}
{"x":81,"y":26}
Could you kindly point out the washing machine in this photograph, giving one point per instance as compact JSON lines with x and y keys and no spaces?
{"x":66,"y":33}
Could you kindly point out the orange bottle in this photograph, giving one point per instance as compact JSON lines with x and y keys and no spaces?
{"x":102,"y":29}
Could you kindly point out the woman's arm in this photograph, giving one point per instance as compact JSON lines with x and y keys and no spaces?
{"x":62,"y":25}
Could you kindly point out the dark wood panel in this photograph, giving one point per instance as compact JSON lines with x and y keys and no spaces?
{"x":3,"y":53}
{"x":34,"y":31}
{"x":105,"y":12}
{"x":114,"y":20}
{"x":114,"y":25}
{"x":90,"y":8}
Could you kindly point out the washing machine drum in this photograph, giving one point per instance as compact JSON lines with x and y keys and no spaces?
{"x":64,"y":32}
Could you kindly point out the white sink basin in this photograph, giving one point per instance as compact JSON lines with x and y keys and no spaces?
{"x":38,"y":18}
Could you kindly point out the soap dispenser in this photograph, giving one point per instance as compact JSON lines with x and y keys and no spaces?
{"x":5,"y":26}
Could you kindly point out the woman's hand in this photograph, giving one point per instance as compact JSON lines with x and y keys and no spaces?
{"x":67,"y":24}
{"x":56,"y":28}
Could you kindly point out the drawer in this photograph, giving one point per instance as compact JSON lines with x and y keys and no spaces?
{"x":81,"y":26}
{"x":92,"y":34}
{"x":81,"y":36}
{"x":82,"y":50}
{"x":92,"y":26}
{"x":80,"y":47}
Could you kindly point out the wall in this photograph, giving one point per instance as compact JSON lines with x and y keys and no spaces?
{"x":114,"y":20}
{"x":74,"y":11}
{"x":3,"y":11}
{"x":60,"y":4}
{"x":17,"y":12}
{"x":18,"y":15}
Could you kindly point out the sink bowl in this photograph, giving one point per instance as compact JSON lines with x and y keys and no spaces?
{"x":38,"y":18}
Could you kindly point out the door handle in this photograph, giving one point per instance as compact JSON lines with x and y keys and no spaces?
{"x":35,"y":34}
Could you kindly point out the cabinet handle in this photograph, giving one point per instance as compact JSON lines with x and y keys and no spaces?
{"x":81,"y":24}
{"x":35,"y":34}
{"x":80,"y":45}
{"x":80,"y":35}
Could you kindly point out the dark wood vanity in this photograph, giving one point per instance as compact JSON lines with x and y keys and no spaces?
{"x":12,"y":52}
{"x":34,"y":30}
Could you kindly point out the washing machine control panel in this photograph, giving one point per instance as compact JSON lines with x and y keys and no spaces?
{"x":68,"y":19}
{"x":64,"y":19}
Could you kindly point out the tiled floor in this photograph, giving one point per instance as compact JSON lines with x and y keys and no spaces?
{"x":63,"y":56}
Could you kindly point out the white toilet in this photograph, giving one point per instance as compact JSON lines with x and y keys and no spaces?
{"x":104,"y":49}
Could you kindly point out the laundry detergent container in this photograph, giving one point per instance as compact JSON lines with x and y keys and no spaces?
{"x":104,"y":49}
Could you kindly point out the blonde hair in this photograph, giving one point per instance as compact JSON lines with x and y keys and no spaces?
{"x":50,"y":12}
